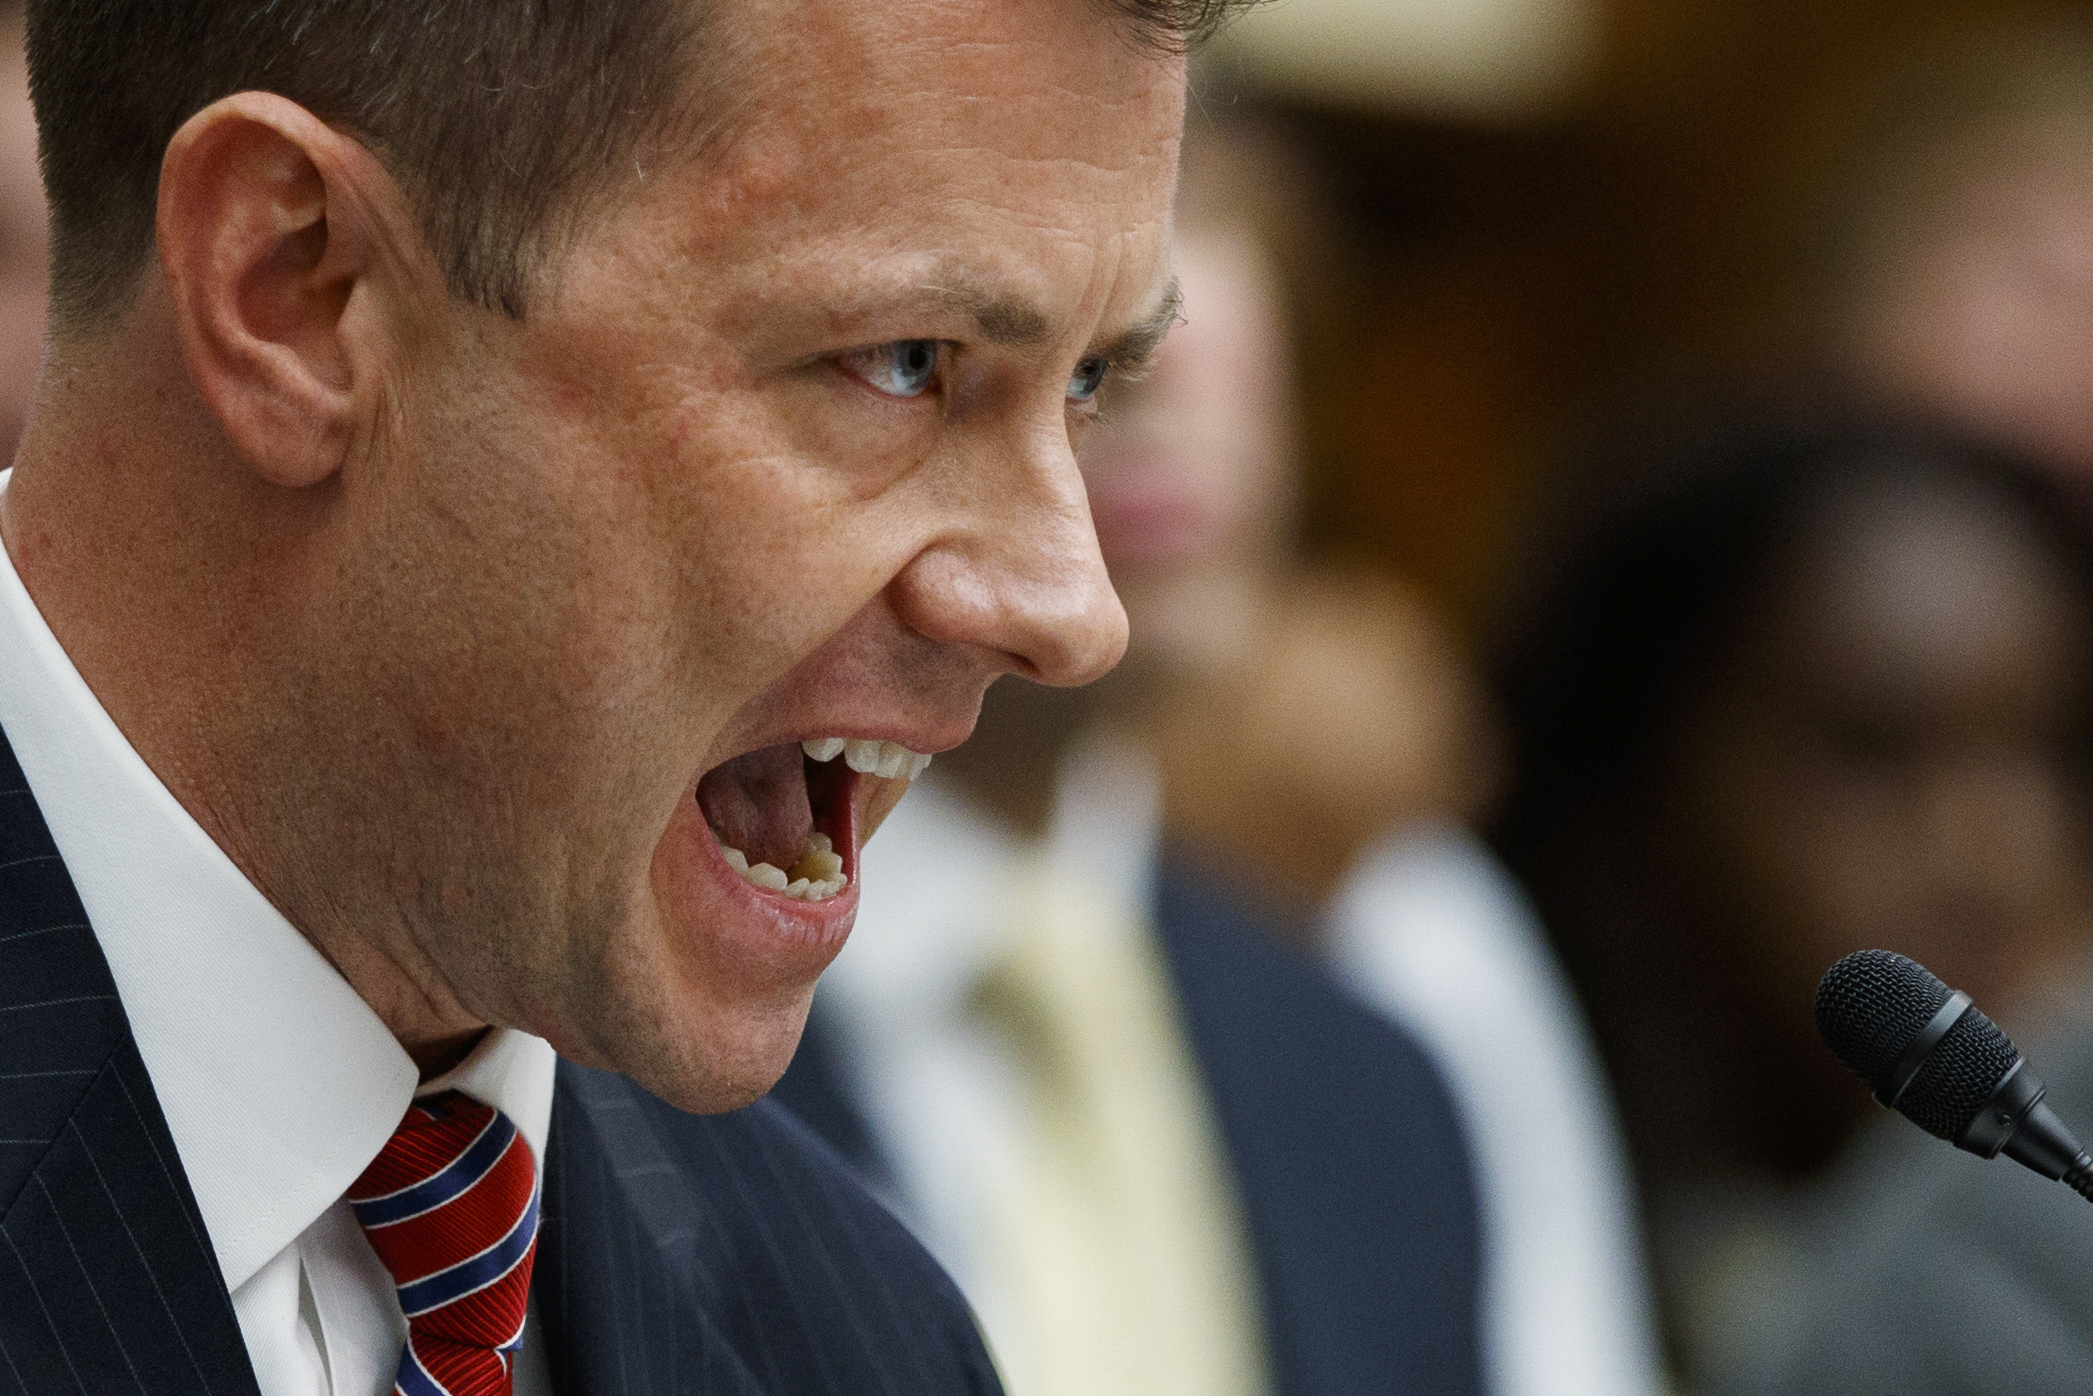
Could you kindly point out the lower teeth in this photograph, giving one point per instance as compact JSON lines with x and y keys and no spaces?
{"x":817,"y":876}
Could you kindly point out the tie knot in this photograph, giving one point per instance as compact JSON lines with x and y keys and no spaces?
{"x":451,"y":1207}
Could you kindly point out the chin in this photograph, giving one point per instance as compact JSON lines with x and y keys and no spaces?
{"x":704,"y":1052}
{"x":705,"y":1003}
{"x":730,"y":1076}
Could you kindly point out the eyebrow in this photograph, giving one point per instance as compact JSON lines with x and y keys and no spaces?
{"x":1002,"y":319}
{"x":1017,"y":323}
{"x":1134,"y":347}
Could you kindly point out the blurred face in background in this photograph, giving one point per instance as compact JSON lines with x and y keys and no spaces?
{"x":1980,"y":308}
{"x":1349,"y":709}
{"x":1192,"y":484}
{"x":1887,"y":755}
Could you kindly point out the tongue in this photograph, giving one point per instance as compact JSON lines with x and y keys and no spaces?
{"x":758,"y":804}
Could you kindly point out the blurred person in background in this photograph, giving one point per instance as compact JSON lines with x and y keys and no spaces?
{"x":1131,"y":1026}
{"x":1814,"y":690}
{"x":24,"y":239}
{"x":1944,"y":237}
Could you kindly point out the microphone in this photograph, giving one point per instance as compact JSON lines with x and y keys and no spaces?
{"x":1930,"y":1054}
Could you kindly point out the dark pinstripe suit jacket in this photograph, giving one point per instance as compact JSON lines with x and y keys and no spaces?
{"x":679,"y":1254}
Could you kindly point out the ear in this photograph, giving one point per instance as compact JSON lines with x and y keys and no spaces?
{"x":277,"y":235}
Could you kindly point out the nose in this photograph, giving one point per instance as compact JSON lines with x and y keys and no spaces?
{"x":1018,"y":578}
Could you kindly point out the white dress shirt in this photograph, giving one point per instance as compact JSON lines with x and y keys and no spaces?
{"x":1430,"y":929}
{"x":279,"y":1084}
{"x":1012,"y":1035}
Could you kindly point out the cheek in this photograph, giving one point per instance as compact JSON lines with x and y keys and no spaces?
{"x":685,"y":536}
{"x":849,"y":443}
{"x":524,"y":597}
{"x":765,"y":573}
{"x":794,"y":516}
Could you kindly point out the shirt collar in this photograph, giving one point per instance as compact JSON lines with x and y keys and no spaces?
{"x":278,"y":1083}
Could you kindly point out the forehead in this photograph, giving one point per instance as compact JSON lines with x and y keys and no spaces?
{"x":985,"y":142}
{"x":1054,"y":79}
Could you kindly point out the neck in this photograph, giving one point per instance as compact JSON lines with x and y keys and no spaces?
{"x":123,"y":543}
{"x":177,"y":582}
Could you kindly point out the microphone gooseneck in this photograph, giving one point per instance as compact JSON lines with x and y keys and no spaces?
{"x":2080,"y":1177}
{"x":1930,"y":1054}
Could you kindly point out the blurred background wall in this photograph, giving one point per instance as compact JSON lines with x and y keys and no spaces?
{"x":1571,"y":234}
{"x":1558,"y":212}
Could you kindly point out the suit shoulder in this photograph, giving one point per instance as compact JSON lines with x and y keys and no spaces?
{"x":742,"y":1248}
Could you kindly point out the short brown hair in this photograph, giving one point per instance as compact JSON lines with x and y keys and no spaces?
{"x":501,"y":118}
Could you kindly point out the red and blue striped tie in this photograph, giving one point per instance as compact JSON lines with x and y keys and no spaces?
{"x":451,"y":1206}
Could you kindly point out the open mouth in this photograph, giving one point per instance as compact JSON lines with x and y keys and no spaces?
{"x":786,"y":815}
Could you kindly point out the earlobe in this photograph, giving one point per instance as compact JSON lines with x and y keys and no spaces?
{"x":265,"y":236}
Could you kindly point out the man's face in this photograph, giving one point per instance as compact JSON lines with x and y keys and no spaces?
{"x":782,"y":452}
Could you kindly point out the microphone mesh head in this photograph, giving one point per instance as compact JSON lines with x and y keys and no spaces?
{"x":1958,"y":1076}
{"x":1870,"y":1006}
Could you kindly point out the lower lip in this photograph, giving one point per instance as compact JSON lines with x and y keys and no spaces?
{"x":821,"y":924}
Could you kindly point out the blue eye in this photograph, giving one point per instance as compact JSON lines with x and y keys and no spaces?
{"x":901,"y":368}
{"x":1087,"y":379}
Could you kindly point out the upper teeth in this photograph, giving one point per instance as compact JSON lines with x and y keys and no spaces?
{"x":889,"y":759}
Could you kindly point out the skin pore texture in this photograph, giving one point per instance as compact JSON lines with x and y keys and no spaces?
{"x":435,"y":619}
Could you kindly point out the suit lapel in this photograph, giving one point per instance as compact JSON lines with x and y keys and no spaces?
{"x":107,"y":1281}
{"x":1346,"y":1152}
